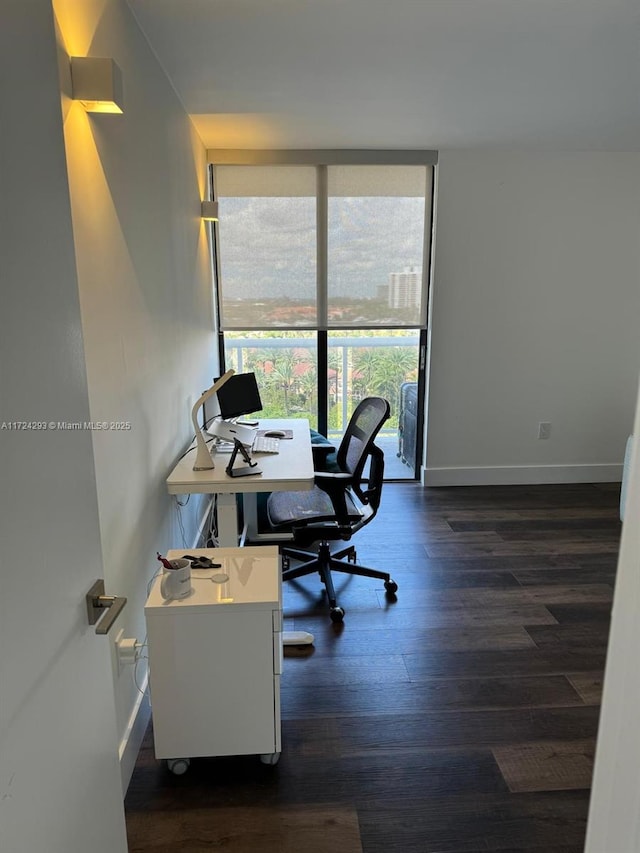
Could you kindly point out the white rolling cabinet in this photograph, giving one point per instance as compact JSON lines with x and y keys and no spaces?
{"x":215,"y":659}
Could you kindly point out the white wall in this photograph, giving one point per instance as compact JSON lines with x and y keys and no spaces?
{"x":136,"y":181}
{"x":534,"y":317}
{"x":59,"y":775}
{"x":614,"y":807}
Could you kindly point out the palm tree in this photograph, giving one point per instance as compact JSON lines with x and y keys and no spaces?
{"x":395,"y":365}
{"x":284,"y":372}
{"x":365,"y":367}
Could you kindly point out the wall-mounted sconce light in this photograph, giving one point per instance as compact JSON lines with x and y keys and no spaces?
{"x":210,"y":211}
{"x":97,"y":83}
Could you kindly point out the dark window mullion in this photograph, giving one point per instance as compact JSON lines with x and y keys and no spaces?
{"x":323,"y":380}
{"x":322,"y":297}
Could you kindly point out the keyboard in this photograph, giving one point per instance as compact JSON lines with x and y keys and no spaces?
{"x":265,"y":444}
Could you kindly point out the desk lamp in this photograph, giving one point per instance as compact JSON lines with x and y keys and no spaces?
{"x":204,"y":462}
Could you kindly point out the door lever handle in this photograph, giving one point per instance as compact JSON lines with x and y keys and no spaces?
{"x":98,"y":604}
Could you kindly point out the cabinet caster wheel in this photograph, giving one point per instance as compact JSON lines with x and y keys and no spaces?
{"x":336,"y":614}
{"x":178,"y":766}
{"x":270,"y":758}
{"x":391,"y":586}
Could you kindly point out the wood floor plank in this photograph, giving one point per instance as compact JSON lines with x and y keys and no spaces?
{"x":591,"y":635}
{"x":583,"y":612}
{"x":555,"y":516}
{"x":588,"y":685}
{"x":448,"y":729}
{"x":566,"y":537}
{"x":530,"y":546}
{"x":470,"y":824}
{"x":441,"y":694}
{"x":484,"y":664}
{"x":357,"y":669}
{"x":503,"y":562}
{"x":381,"y":774}
{"x":548,"y":521}
{"x":450,"y":578}
{"x":433,"y":616}
{"x":544,"y":594}
{"x":546,"y":766}
{"x":408,"y":639}
{"x":279,"y":829}
{"x":566,"y":577}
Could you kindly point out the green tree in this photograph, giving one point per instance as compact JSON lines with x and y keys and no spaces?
{"x":395,"y":365}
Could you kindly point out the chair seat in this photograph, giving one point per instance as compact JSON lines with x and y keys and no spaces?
{"x":286,"y":508}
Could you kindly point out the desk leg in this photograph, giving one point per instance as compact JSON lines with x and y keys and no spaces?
{"x":227,"y":521}
{"x":250,"y":510}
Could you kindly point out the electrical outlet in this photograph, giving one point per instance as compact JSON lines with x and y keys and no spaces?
{"x":544,"y":429}
{"x":125,"y":650}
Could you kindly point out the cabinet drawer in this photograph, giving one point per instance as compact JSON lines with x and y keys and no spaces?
{"x":212,"y":683}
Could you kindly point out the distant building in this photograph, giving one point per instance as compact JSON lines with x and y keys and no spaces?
{"x":405,"y":288}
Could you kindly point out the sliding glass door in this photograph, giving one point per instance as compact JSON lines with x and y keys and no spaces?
{"x":321,"y":290}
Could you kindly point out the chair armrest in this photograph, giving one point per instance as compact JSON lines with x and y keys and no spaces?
{"x":371,"y":495}
{"x":321,"y":448}
{"x":321,"y":452}
{"x":332,"y":481}
{"x":335,"y":485}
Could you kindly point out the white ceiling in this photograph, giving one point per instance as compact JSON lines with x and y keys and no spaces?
{"x":561,"y":74}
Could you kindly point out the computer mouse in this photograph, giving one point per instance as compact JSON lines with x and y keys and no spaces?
{"x":274,"y":433}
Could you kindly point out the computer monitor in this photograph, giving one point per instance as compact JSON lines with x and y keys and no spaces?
{"x":238,"y":396}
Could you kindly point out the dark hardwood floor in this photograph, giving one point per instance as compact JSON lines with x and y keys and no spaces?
{"x":460,"y":718}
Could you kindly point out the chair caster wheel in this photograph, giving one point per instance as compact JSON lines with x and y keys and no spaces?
{"x":178,"y":766}
{"x":336,"y":614}
{"x":270,"y":758}
{"x":391,"y":586}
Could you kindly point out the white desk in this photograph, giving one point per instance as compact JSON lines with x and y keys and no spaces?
{"x":289,"y":470}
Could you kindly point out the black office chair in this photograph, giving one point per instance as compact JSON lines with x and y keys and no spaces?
{"x":340,"y":503}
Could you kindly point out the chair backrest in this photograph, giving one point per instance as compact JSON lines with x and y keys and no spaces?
{"x":357,"y":445}
{"x":354,"y":499}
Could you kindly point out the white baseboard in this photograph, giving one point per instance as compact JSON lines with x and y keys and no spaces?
{"x":521,"y":475}
{"x":132,"y":738}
